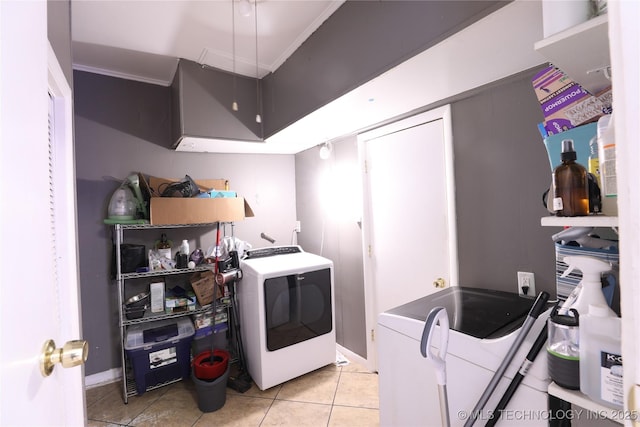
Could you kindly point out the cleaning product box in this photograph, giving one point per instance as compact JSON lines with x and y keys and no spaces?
{"x":193,"y":210}
{"x":178,"y":304}
{"x":160,"y":351}
{"x":157,"y":297}
{"x":564,"y":103}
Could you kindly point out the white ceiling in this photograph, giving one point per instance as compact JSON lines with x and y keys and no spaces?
{"x":143,"y":39}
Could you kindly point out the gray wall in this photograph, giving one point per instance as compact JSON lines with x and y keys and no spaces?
{"x":335,"y":237}
{"x":501,"y":170}
{"x":122,"y":127}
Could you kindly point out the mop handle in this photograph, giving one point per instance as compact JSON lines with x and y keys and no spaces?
{"x":517,"y":379}
{"x":535,"y":311}
{"x":436,"y":315}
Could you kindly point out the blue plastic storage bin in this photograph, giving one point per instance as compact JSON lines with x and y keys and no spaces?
{"x":159,"y":352}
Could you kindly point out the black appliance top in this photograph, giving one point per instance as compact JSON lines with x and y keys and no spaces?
{"x":481,"y":313}
{"x":272,"y":251}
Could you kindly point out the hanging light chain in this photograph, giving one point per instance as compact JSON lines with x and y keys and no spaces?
{"x":258,"y":117}
{"x":234,"y":104}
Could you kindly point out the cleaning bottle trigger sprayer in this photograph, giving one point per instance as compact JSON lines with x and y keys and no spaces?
{"x":590,"y":291}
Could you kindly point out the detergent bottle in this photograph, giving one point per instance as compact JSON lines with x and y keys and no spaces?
{"x":589,"y":290}
{"x":601,"y":356}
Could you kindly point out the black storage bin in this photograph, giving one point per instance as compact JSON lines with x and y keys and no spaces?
{"x":132,"y":257}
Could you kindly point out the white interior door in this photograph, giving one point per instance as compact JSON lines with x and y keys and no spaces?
{"x":409,"y":215}
{"x":39,"y":290}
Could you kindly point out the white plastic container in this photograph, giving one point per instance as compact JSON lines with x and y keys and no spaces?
{"x":184,"y":247}
{"x":601,"y":357}
{"x":607,"y":165}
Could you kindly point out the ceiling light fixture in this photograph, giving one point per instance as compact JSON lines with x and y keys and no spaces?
{"x":245,"y":7}
{"x":234,"y":104}
{"x":325,"y":150}
{"x":258,"y":117}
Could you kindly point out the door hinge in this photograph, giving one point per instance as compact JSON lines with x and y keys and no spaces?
{"x":369,"y":250}
{"x":366,"y":170}
{"x":373,"y":335}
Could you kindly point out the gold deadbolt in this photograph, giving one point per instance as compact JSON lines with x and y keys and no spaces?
{"x":73,"y":353}
{"x":440,"y":283}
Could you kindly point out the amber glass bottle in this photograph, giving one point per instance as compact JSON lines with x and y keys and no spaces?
{"x":570,"y":183}
{"x":164,"y":246}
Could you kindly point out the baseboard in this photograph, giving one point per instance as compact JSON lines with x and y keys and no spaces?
{"x":102,"y":378}
{"x":350,"y":355}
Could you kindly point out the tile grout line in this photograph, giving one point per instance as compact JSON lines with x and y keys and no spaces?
{"x":335,"y":393}
{"x":273,"y":399}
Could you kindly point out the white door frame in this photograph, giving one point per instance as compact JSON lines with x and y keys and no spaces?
{"x":66,"y":229}
{"x":371,"y":310}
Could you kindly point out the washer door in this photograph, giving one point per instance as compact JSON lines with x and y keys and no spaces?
{"x":297,"y":308}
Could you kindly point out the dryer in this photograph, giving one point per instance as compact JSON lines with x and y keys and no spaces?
{"x":287,"y":318}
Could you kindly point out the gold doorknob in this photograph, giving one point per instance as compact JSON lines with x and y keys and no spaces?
{"x":73,"y":353}
{"x":439,"y":283}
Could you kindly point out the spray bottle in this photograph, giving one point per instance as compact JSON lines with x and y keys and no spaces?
{"x":589,"y":290}
{"x":597,"y":335}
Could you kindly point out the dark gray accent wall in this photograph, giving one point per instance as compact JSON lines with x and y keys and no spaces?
{"x":121,"y":127}
{"x":202,"y":104}
{"x":136,"y":109}
{"x":358,"y":42}
{"x":501,"y":171}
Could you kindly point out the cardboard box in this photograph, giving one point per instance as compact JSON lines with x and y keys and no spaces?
{"x":193,"y":210}
{"x":203,"y":285}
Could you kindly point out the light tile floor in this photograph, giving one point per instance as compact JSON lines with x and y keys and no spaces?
{"x":331,"y":396}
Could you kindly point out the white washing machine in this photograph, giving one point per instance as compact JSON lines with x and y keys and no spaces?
{"x":483,"y":327}
{"x":287,"y":320}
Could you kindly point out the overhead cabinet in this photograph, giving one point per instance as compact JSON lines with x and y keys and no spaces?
{"x":202,"y":98}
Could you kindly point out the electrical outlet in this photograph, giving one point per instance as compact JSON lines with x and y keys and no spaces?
{"x":297,"y":230}
{"x":526,"y":283}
